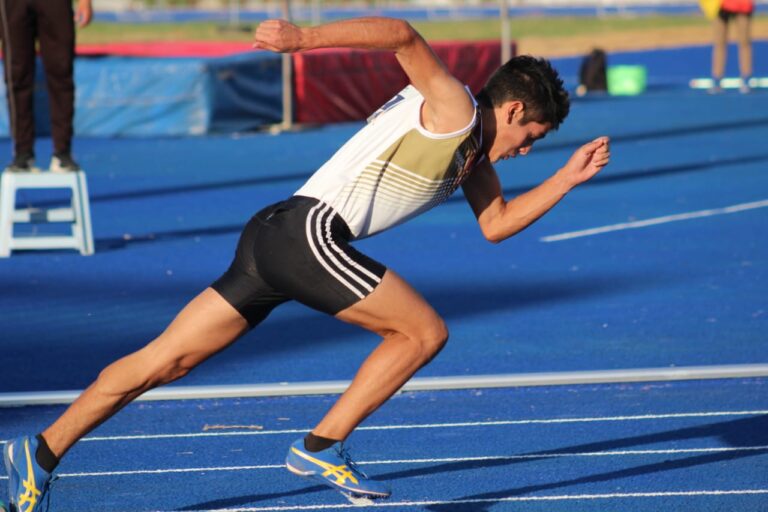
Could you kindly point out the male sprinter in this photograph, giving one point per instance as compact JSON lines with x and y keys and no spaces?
{"x":411,"y":155}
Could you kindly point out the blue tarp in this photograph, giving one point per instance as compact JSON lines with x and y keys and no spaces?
{"x":119,"y":96}
{"x":126,"y":96}
{"x":245,"y":91}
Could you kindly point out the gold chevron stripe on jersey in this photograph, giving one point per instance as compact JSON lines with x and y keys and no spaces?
{"x":410,"y":152}
{"x":395,"y":169}
{"x":401,"y":193}
{"x":406,"y":176}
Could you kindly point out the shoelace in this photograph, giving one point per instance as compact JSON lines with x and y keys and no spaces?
{"x":344,"y":454}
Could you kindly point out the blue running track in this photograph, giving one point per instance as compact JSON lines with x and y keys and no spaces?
{"x":695,"y":446}
{"x":676,"y":276}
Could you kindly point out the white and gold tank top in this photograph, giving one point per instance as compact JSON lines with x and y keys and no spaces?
{"x":393,"y":169}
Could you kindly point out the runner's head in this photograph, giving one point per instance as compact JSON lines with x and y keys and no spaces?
{"x":522,"y":102}
{"x":535,"y":83}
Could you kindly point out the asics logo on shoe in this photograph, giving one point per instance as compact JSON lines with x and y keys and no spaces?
{"x":31,"y":492}
{"x":342,"y":473}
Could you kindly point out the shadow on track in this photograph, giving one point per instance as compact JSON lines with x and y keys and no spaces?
{"x":737,"y":433}
{"x":287,"y":335}
{"x":239,"y":501}
{"x":751,"y":431}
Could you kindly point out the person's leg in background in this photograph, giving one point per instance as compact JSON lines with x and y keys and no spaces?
{"x":744,"y":36}
{"x":56,"y":32}
{"x":18,"y":29}
{"x":719,"y":49}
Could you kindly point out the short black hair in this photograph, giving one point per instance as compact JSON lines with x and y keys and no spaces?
{"x":534,"y":82}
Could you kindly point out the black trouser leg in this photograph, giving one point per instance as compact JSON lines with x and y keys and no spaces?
{"x":56,"y":32}
{"x":18,"y":30}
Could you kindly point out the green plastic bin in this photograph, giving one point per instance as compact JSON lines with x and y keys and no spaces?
{"x":626,"y":80}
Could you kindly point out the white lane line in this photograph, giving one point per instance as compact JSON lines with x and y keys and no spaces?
{"x":164,"y":471}
{"x":657,"y":220}
{"x":711,"y":414}
{"x":443,"y":460}
{"x":511,"y":499}
{"x":598,"y":419}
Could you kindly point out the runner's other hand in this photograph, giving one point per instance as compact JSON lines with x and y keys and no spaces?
{"x":278,"y":36}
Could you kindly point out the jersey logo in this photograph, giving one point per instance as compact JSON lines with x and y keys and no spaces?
{"x":387,"y":106}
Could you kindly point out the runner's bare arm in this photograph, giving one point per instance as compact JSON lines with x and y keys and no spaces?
{"x":448,"y":106}
{"x":500,"y":219}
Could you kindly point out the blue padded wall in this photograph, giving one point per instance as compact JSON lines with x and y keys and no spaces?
{"x":127,"y":96}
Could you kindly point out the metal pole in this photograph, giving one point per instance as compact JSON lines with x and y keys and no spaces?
{"x":234,"y":15}
{"x":287,"y":123}
{"x":316,"y":12}
{"x":506,"y":39}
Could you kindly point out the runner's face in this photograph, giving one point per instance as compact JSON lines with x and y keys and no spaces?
{"x":513,"y":137}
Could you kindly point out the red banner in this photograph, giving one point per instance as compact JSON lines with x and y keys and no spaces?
{"x":336,"y":85}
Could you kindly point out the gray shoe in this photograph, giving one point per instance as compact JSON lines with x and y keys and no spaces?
{"x":744,"y":87}
{"x":24,"y":162}
{"x":715,"y":89}
{"x":62,"y":162}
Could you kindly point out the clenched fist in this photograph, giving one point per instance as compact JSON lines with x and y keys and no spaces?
{"x":278,"y":36}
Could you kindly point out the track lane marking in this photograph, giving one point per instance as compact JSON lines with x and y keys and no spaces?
{"x":442,"y":460}
{"x":710,"y":414}
{"x":510,"y":499}
{"x":597,"y":419}
{"x":655,"y":221}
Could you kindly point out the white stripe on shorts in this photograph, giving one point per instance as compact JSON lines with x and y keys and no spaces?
{"x":313,"y":214}
{"x":327,"y":245}
{"x":352,"y":263}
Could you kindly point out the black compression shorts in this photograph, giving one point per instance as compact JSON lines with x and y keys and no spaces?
{"x":297,"y":249}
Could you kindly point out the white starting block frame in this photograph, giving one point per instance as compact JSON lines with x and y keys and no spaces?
{"x":78,"y":214}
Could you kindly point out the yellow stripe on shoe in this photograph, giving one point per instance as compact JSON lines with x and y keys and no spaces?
{"x":342,"y":473}
{"x":31,"y":492}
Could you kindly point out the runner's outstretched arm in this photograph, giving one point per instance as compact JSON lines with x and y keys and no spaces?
{"x":500,"y":219}
{"x":448,"y":106}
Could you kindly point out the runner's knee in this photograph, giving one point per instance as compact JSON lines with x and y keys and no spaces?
{"x":170,"y":369}
{"x":432,"y":337}
{"x":142,"y":371}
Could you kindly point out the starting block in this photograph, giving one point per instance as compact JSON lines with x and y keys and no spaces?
{"x":78,"y":214}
